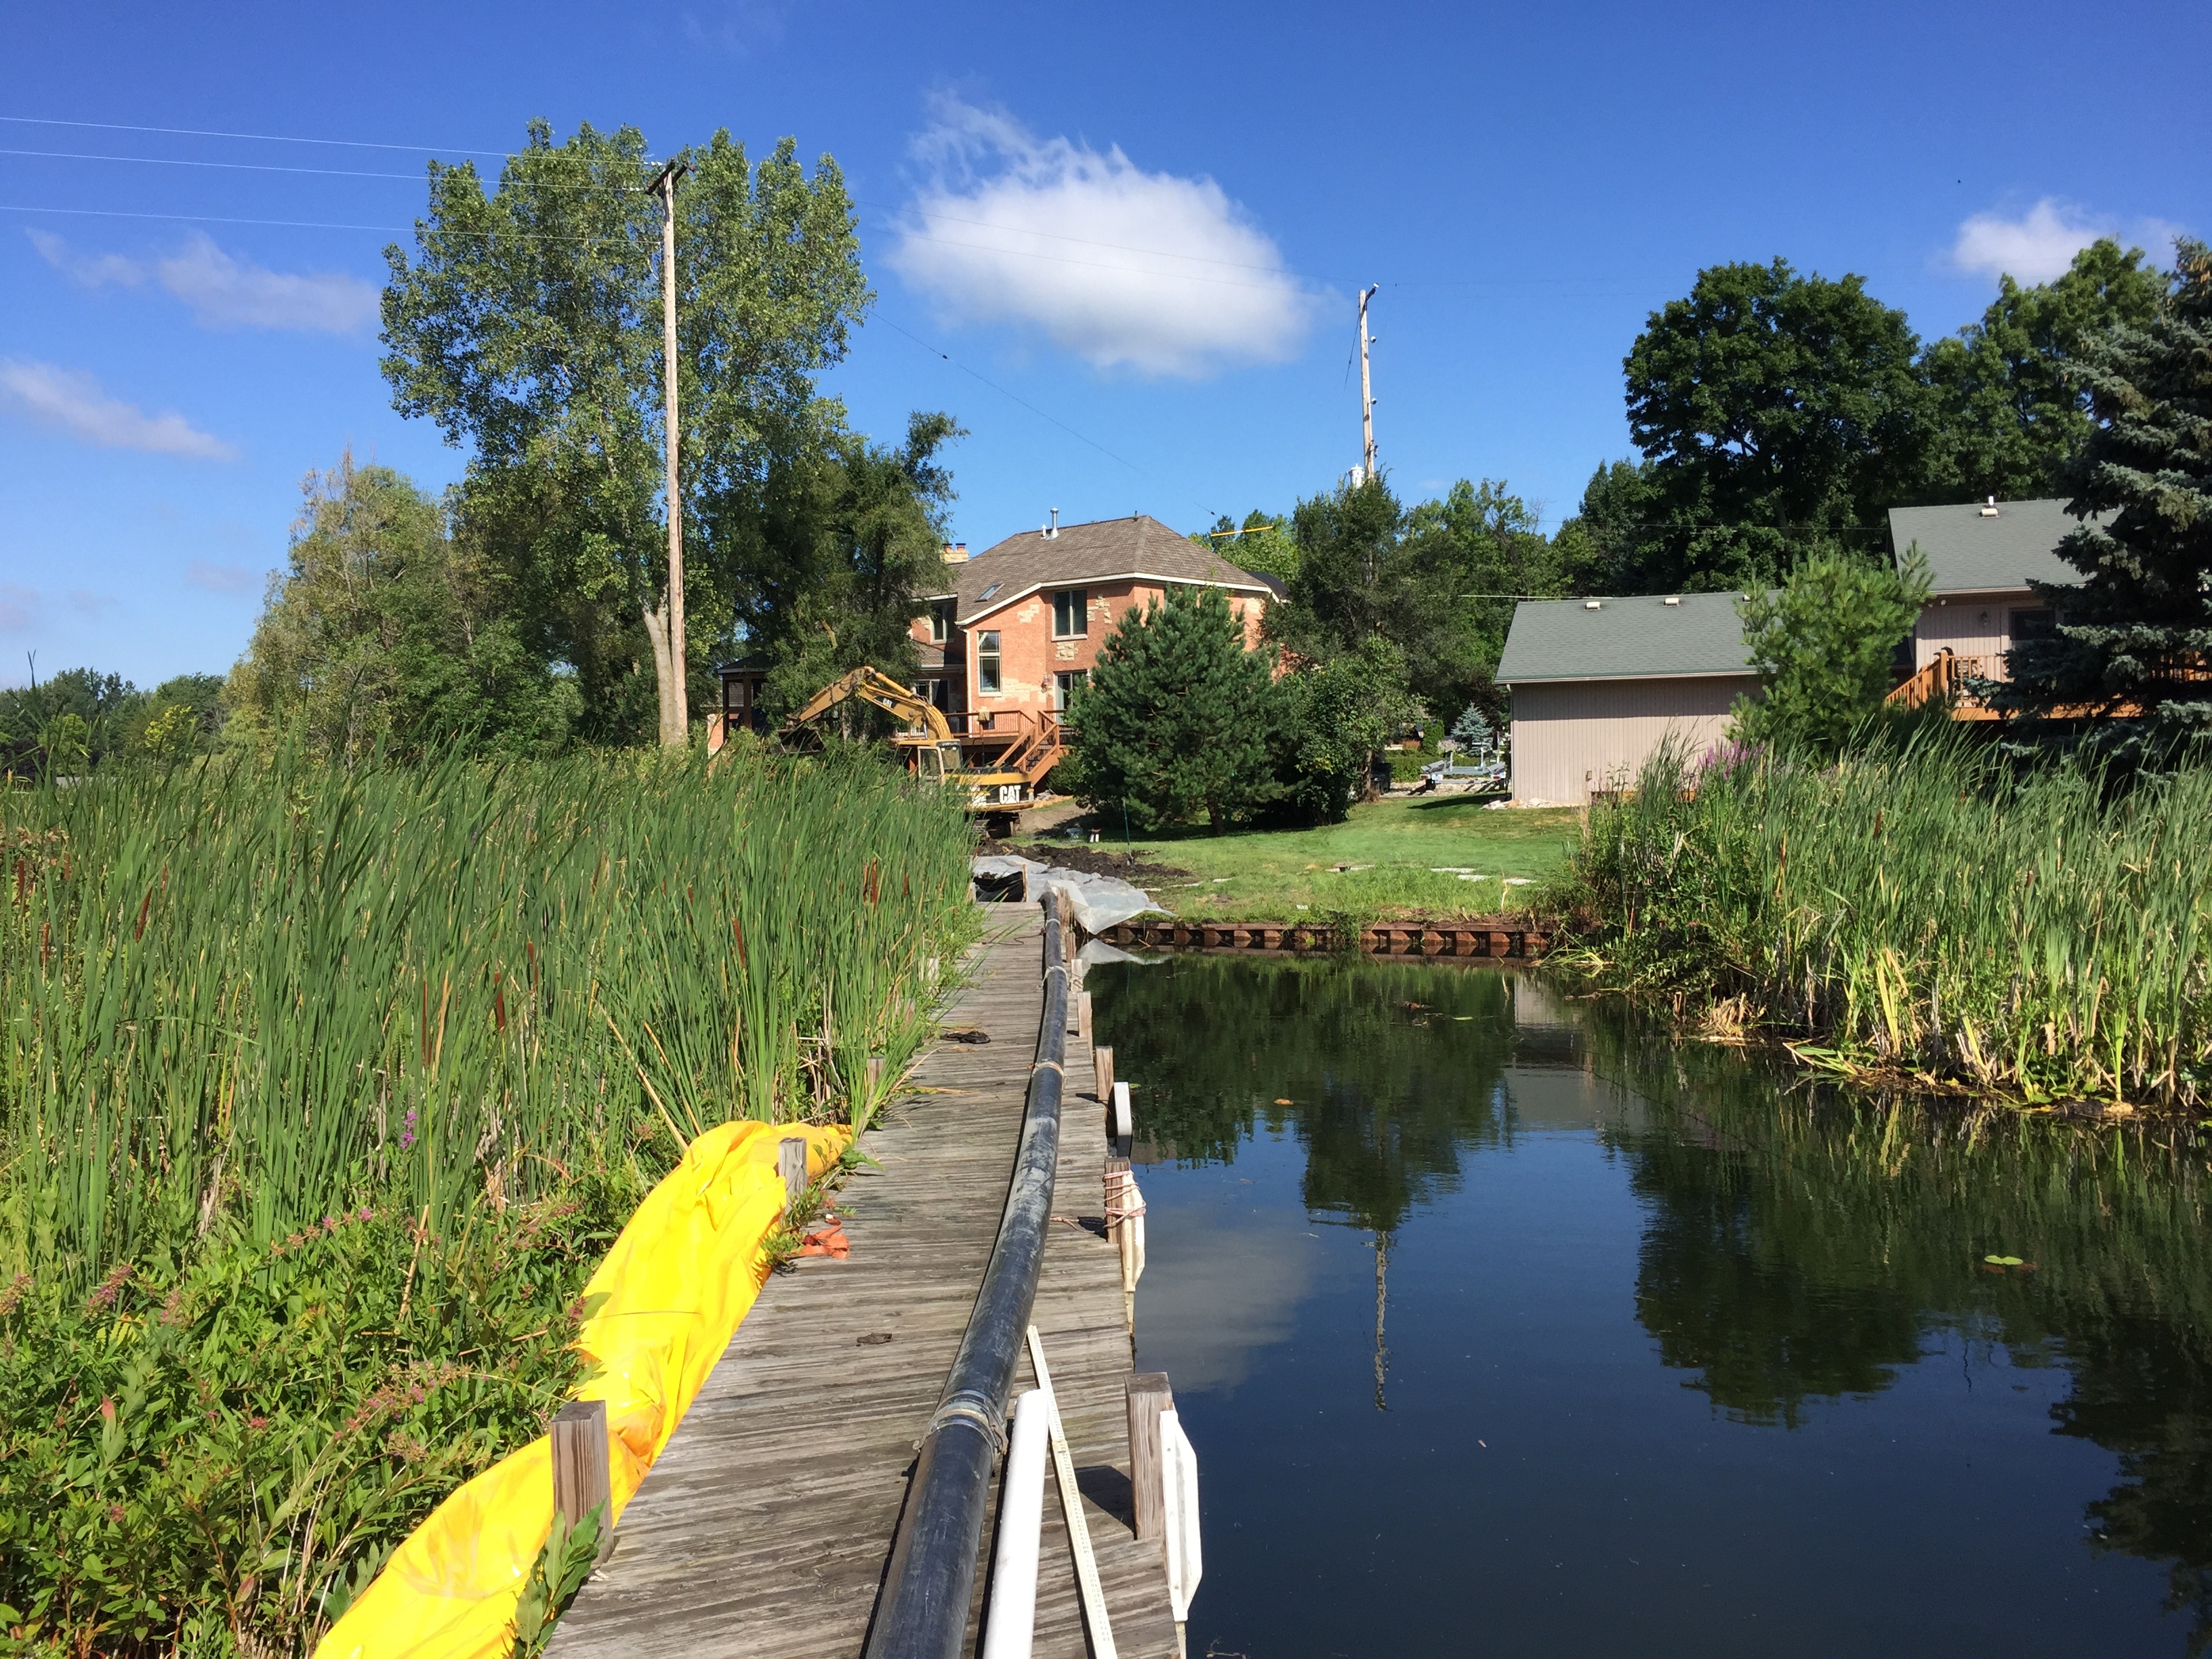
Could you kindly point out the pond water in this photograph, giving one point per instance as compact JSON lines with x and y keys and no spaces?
{"x":1503,"y":1325}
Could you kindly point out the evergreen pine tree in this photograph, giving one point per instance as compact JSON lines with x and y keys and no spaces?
{"x":1177,"y":720}
{"x":2134,"y":639}
{"x":1472,"y":733}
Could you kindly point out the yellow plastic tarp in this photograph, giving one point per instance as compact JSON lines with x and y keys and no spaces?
{"x":675,"y":1286}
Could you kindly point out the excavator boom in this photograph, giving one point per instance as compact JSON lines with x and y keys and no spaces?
{"x":879,"y":689}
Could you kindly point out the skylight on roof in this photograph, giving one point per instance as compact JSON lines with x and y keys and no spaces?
{"x":987,"y":592}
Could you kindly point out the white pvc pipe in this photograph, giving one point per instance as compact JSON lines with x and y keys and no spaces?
{"x":1125,"y":1122}
{"x":1012,"y":1617}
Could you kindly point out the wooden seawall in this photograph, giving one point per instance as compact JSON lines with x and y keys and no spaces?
{"x":1495,"y":938}
{"x":766,"y":1526}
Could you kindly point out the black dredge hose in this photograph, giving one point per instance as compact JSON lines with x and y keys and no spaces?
{"x":922,"y":1613}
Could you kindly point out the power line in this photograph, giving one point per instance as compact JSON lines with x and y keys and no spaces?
{"x":1003,"y":393}
{"x":302,"y":224}
{"x":266,"y":167}
{"x":252,"y":137}
{"x":892,"y":226}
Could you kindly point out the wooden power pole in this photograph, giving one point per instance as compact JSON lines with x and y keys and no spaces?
{"x":675,"y":701}
{"x":1366,"y":389}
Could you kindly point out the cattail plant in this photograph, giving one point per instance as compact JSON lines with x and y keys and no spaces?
{"x":245,"y":993}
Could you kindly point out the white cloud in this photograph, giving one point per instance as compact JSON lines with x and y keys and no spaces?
{"x":219,"y":578}
{"x":74,"y":403}
{"x":1150,"y":271}
{"x":87,"y":269}
{"x":2042,"y":242}
{"x":225,"y":292}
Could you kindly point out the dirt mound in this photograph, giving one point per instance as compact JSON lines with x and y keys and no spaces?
{"x":1089,"y":860}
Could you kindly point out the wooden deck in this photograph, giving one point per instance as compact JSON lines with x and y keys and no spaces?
{"x":765,"y":1528}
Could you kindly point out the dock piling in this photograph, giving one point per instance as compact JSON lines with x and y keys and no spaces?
{"x":790,"y":1164}
{"x":1149,"y":1396}
{"x":581,"y":1471}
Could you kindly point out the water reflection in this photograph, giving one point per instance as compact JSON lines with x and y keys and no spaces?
{"x":1795,"y":1254}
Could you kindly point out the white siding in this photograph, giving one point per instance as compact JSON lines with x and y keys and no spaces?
{"x":1569,"y":739}
{"x":1970,"y":624}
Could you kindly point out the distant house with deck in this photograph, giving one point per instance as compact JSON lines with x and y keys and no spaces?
{"x":1981,"y":558}
{"x":1599,"y":684}
{"x":1018,"y":627}
{"x":1012,"y":631}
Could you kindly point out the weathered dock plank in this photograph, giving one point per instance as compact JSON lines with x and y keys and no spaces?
{"x":766,"y":1526}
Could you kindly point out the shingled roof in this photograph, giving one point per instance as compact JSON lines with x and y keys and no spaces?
{"x":1970,"y":550}
{"x":1139,"y":545}
{"x":1652,"y":637}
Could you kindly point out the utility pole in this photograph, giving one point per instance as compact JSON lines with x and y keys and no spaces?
{"x":674,"y":699}
{"x":1366,"y":389}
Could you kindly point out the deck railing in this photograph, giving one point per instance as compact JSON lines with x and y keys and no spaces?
{"x":1947,"y":676}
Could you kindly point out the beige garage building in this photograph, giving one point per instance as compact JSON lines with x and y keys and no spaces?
{"x":1981,"y":558}
{"x":1598,"y":684}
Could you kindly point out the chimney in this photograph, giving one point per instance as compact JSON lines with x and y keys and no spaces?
{"x":955,"y":552}
{"x":1051,"y":532}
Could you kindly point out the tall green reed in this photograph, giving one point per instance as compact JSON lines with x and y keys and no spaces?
{"x":244,"y":991}
{"x":1925,"y":908}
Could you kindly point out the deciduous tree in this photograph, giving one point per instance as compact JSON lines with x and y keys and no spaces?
{"x":1774,"y":410}
{"x":382,"y":630}
{"x":2010,"y":407}
{"x":528,"y":325}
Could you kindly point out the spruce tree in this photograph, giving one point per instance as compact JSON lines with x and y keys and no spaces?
{"x":2134,"y":639}
{"x":1177,"y":720}
{"x":1472,"y":733}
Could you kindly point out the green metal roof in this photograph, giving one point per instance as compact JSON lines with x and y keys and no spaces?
{"x":1649,"y":637}
{"x":1970,"y":552}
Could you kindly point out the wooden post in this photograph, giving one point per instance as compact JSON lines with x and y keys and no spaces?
{"x":875,"y":1077}
{"x":1149,"y":1396}
{"x":581,"y":1483}
{"x":1120,"y":1185}
{"x":1102,"y":1062}
{"x":791,"y":1163}
{"x":1083,"y":1015}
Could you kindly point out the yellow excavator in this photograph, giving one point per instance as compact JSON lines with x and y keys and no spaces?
{"x":996,"y":790}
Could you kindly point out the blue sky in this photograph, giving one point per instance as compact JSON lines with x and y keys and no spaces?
{"x":1136,"y":229}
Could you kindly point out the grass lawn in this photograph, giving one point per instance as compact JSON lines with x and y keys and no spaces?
{"x":1272,"y":875}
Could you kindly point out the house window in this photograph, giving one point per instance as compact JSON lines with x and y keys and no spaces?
{"x":986,"y":661}
{"x":940,"y":620}
{"x":1068,"y":620}
{"x":1063,"y":688}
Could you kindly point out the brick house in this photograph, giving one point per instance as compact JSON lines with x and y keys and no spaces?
{"x":1019,"y":626}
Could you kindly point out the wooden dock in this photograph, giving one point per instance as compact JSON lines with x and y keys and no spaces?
{"x":766,"y":1526}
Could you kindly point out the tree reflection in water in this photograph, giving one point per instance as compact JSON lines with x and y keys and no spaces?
{"x":1799,"y":1246}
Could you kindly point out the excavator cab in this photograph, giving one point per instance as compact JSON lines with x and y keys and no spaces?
{"x":935,"y":762}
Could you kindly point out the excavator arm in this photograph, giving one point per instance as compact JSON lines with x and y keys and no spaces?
{"x":879,"y":689}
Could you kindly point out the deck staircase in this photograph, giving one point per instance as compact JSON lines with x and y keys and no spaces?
{"x":1947,"y":678}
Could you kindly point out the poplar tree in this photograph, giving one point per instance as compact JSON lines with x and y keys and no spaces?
{"x":528,"y":326}
{"x":2134,"y":639}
